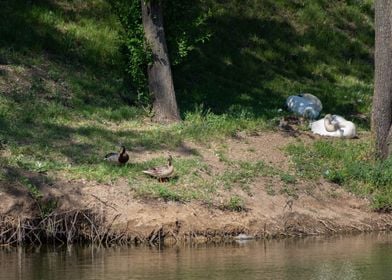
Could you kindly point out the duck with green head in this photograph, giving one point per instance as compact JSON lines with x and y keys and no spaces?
{"x":121,"y":157}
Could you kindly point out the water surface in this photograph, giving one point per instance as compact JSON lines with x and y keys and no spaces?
{"x":344,"y":257}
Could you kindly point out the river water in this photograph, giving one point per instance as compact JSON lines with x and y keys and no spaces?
{"x":366,"y":256}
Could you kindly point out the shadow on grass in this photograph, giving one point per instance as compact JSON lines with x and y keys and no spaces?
{"x":263,"y":51}
{"x":259,"y":53}
{"x":85,"y":144}
{"x":75,"y":41}
{"x":24,"y":189}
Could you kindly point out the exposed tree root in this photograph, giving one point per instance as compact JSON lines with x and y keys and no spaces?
{"x":67,"y":227}
{"x":86,"y":226}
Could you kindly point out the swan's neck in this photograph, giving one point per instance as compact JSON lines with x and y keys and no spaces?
{"x":328,"y":124}
{"x":342,"y":125}
{"x":310,"y":113}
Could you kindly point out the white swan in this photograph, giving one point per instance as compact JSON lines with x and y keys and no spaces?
{"x":306,"y":105}
{"x":334,"y":126}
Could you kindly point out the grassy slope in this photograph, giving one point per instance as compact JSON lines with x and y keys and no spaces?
{"x":263,"y":51}
{"x":62,"y":108}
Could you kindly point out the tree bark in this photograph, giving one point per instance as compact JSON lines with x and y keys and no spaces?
{"x":382,"y":99}
{"x":160,"y":79}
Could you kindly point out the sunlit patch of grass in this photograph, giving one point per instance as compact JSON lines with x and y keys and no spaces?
{"x":101,"y":172}
{"x":288,"y":178}
{"x":187,"y":183}
{"x":348,"y":163}
{"x":85,"y":35}
{"x":235,"y":203}
{"x":200,"y":124}
{"x":192,"y":181}
{"x":155,"y":190}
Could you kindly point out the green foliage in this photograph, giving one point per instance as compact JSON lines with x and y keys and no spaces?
{"x":288,"y":178}
{"x":185,"y":26}
{"x":168,"y":194}
{"x":134,"y":49}
{"x":33,"y":190}
{"x":382,"y":201}
{"x":45,"y":207}
{"x":235,"y":203}
{"x":202,"y":124}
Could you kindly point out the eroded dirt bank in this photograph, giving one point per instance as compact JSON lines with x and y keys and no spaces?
{"x":318,"y":207}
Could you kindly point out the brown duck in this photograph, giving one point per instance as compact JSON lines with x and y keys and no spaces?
{"x":122,"y":157}
{"x":161,"y":172}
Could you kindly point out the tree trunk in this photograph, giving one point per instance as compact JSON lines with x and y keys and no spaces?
{"x":160,"y":79}
{"x":382,"y":99}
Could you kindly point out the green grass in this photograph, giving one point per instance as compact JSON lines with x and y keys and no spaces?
{"x":243,"y":174}
{"x":290,"y":191}
{"x":32,"y":189}
{"x":277,"y":48}
{"x":348,"y":163}
{"x":259,"y":53}
{"x":288,"y":178}
{"x":192,"y":180}
{"x":235,"y":203}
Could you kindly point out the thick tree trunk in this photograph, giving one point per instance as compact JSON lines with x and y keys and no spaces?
{"x":382,"y":100}
{"x":160,"y":79}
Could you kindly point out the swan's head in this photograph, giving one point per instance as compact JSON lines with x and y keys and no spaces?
{"x":329,"y":126}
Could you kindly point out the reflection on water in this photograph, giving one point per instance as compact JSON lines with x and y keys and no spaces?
{"x":344,"y":257}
